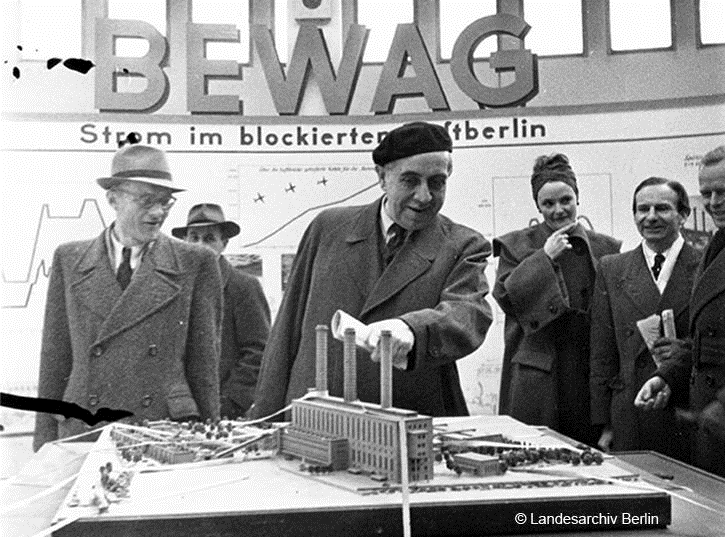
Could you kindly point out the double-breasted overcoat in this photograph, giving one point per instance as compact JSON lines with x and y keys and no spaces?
{"x":542,"y":332}
{"x":625,"y":293}
{"x":152,"y":349}
{"x":705,"y":366}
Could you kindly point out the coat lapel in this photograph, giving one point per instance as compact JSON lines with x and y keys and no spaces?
{"x":414,"y":258}
{"x":94,"y":284}
{"x":638,"y":286}
{"x":679,"y":287}
{"x":708,"y":284}
{"x":154,"y":284}
{"x":362,"y":258}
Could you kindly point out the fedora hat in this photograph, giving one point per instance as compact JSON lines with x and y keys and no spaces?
{"x":207,"y":214}
{"x":140,"y":163}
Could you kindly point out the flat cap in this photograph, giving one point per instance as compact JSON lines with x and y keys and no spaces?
{"x":412,"y":139}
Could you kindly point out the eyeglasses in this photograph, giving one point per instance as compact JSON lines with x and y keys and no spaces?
{"x":148,"y":201}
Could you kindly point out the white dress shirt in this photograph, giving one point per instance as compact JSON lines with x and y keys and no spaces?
{"x":115,"y":251}
{"x":670,"y":254}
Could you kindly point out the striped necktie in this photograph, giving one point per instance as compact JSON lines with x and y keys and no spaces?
{"x":396,"y":238}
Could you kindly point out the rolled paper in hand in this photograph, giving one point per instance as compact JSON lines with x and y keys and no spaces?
{"x":668,"y":324}
{"x":341,"y":321}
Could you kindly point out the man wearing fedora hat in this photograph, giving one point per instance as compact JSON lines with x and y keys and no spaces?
{"x":133,"y":317}
{"x":246,"y":313}
{"x":395,"y":264}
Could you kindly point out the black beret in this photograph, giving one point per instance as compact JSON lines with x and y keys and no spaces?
{"x":412,"y":139}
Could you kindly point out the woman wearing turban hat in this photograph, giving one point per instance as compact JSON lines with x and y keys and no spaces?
{"x":544,"y":283}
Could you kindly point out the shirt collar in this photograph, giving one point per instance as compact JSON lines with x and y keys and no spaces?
{"x":385,"y":220}
{"x":115,"y":250}
{"x":673,"y":250}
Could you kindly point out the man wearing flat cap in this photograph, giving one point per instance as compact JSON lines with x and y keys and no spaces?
{"x":396,"y":265}
{"x":246,"y":313}
{"x":133,"y":317}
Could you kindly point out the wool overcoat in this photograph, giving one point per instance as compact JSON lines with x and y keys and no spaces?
{"x":531,"y":290}
{"x":152,"y":349}
{"x":435,"y":284}
{"x":244,"y":334}
{"x":705,"y":366}
{"x":625,"y":293}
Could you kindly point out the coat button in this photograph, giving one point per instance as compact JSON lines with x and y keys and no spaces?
{"x":710,"y":332}
{"x":553,"y":309}
{"x":534,"y":324}
{"x":630,"y":332}
{"x":710,"y":381}
{"x":97,"y":351}
{"x":153,"y":350}
{"x":146,"y":400}
{"x":93,"y":400}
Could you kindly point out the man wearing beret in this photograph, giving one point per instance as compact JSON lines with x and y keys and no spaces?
{"x":133,"y":317}
{"x":396,"y":265}
{"x":246,"y":312}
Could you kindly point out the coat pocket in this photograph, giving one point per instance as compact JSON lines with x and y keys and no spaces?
{"x":539,"y":360}
{"x":180,"y":402}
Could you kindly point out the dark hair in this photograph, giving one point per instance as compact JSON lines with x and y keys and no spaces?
{"x":552,"y":168}
{"x":683,"y":200}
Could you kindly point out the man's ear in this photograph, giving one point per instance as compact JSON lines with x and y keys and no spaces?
{"x":380,"y":170}
{"x":111,"y":197}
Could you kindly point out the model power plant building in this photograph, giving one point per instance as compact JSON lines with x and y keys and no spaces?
{"x":346,"y":433}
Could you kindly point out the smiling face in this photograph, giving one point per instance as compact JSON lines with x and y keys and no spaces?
{"x":415,"y":187}
{"x":656,"y":216}
{"x":141,"y":210}
{"x":557,"y":202}
{"x":712,"y":189}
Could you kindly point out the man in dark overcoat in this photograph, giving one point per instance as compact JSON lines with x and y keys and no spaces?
{"x":395,"y":264}
{"x":246,"y":313}
{"x":701,"y":360}
{"x":133,"y":317}
{"x":655,"y":276}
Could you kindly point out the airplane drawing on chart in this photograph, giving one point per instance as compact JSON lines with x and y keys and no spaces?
{"x":322,"y":181}
{"x":259,"y":197}
{"x":290,"y":188}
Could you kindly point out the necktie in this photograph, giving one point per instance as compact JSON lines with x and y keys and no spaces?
{"x":123,"y":276}
{"x":396,"y":238}
{"x":657,"y":267}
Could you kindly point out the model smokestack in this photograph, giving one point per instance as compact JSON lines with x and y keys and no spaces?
{"x":350,"y":366}
{"x":386,"y":369}
{"x":321,"y":363}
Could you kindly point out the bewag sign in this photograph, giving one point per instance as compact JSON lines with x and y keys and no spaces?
{"x":311,"y":55}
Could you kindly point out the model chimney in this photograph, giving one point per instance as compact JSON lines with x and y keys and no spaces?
{"x":386,"y":369}
{"x":350,"y":366}
{"x":321,"y":362}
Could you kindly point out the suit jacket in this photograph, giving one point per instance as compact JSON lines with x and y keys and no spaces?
{"x":152,"y":350}
{"x":531,"y":291}
{"x":436,"y":284}
{"x":620,"y":361}
{"x":705,"y":366}
{"x":244,"y":335}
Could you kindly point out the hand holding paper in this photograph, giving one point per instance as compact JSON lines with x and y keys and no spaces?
{"x":650,"y":330}
{"x":368,"y":336}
